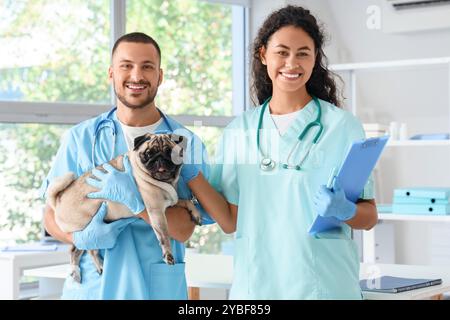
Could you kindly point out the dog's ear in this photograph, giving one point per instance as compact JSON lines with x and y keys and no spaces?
{"x":140,"y":140}
{"x":181,"y":141}
{"x":178,"y":150}
{"x":177,"y":138}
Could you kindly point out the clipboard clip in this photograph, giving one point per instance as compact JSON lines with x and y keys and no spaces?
{"x":370,"y":143}
{"x":331,"y":179}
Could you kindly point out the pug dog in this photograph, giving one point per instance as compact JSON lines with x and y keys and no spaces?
{"x":156,"y":162}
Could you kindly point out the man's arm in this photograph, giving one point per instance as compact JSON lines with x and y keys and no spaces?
{"x":179,"y":223}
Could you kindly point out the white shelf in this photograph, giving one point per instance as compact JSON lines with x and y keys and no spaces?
{"x":389,"y":64}
{"x":418,"y":143}
{"x":411,"y":217}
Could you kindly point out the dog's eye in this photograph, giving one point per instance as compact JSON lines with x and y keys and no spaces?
{"x":146,"y":154}
{"x":167,"y":151}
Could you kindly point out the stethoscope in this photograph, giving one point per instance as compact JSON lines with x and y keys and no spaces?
{"x":108,"y":122}
{"x":268,"y":164}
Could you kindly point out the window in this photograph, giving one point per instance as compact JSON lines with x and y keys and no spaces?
{"x":25,"y":157}
{"x":53,"y":72}
{"x":209,"y":238}
{"x":54,"y":51}
{"x":195,"y":41}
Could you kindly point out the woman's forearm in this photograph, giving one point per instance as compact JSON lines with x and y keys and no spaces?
{"x":224,"y":213}
{"x":53,"y":229}
{"x":179,"y":223}
{"x":366,"y":216}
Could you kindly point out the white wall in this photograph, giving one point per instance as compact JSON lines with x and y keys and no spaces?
{"x":335,"y":49}
{"x":417,"y":96}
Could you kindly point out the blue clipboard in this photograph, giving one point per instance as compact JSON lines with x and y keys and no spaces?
{"x":353,"y":175}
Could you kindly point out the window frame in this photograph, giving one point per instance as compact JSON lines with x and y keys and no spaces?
{"x":73,"y":113}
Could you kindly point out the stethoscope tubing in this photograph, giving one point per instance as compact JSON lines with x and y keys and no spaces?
{"x":267,"y":164}
{"x":102,"y":124}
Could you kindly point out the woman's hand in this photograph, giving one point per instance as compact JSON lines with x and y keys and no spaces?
{"x":333,"y":203}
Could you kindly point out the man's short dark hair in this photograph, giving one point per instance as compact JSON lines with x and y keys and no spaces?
{"x":137,"y":37}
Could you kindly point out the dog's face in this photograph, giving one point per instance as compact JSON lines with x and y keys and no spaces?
{"x":161,"y":155}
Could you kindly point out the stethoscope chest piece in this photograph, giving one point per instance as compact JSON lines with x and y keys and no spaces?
{"x":267,"y":164}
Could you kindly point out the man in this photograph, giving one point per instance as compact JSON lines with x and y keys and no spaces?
{"x":133,"y":267}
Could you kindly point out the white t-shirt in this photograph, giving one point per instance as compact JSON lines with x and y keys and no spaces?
{"x":132,"y":133}
{"x":283,"y":121}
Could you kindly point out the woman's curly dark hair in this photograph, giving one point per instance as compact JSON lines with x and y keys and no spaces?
{"x":321,"y":84}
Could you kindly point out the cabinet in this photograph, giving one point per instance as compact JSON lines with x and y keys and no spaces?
{"x":396,"y":167}
{"x":12,"y":265}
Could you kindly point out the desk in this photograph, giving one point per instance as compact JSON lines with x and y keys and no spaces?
{"x":407,"y":271}
{"x":216,"y":271}
{"x":208,"y":271}
{"x":202,"y":271}
{"x":12,"y":265}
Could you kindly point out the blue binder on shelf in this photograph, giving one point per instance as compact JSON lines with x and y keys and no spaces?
{"x":431,"y":136}
{"x":423,"y":192}
{"x":384,"y":208}
{"x":413,"y":200}
{"x":353,"y":175}
{"x":431,"y":209}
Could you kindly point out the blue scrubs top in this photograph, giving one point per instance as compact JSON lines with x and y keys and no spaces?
{"x":134,"y":268}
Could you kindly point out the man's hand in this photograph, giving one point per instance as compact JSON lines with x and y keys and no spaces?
{"x":98,"y":234}
{"x":118,"y":186}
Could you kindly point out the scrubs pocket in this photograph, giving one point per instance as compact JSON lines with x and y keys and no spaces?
{"x":337,"y":268}
{"x":336,"y":233}
{"x":241,"y":278}
{"x":168,"y":282}
{"x":72,"y":290}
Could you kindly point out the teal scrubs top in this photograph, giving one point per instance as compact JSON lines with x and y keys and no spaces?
{"x":134,"y":268}
{"x":275,"y":257}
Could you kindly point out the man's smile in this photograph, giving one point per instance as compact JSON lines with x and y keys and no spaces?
{"x":136,"y":87}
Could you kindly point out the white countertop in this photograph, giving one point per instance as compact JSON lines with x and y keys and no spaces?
{"x":216,"y":271}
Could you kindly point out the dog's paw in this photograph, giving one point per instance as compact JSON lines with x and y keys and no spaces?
{"x":100,"y":269}
{"x":196,"y":218}
{"x":168,"y":258}
{"x":76,"y":274}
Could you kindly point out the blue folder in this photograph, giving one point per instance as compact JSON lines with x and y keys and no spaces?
{"x":431,"y":136}
{"x":415,"y":200}
{"x":353,"y":175}
{"x":423,"y":192}
{"x":426,"y":209}
{"x":384,"y":208}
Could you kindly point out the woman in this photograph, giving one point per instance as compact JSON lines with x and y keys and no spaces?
{"x":271,"y":204}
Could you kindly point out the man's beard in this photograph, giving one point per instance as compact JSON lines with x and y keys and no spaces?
{"x":146,"y":102}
